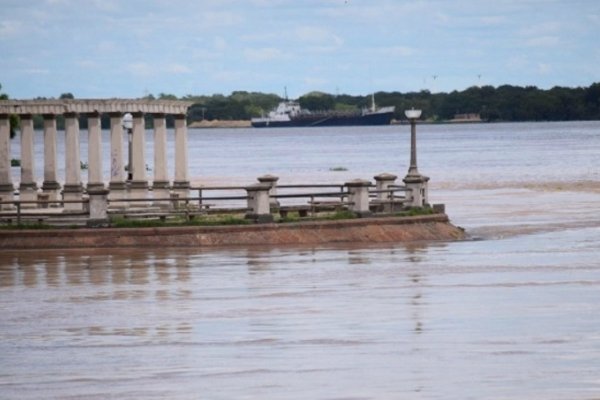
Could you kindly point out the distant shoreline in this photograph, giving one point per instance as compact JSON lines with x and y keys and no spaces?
{"x":220,"y":124}
{"x":206,"y":124}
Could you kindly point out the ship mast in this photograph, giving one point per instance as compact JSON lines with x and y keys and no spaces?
{"x":373,"y":102}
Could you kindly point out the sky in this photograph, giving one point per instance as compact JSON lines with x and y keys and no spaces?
{"x":132,"y":48}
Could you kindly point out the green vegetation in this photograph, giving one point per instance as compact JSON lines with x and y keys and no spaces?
{"x":502,"y":103}
{"x":14,"y":119}
{"x":342,"y":214}
{"x":415,"y":211}
{"x":15,"y":162}
{"x":26,"y":225}
{"x":209,"y":220}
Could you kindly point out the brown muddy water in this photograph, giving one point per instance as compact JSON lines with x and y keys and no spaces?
{"x":513,"y":313}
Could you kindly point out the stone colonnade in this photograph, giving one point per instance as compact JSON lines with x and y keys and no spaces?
{"x":93,"y":109}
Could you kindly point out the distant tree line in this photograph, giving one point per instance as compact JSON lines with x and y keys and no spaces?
{"x":503,"y":103}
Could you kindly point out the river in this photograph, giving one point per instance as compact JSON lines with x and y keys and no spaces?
{"x":511,"y":313}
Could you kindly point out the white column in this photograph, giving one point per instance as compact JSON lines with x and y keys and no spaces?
{"x":6,"y":184}
{"x":28,"y":186}
{"x":181,"y":183}
{"x":116,"y":185}
{"x":138,"y":187}
{"x":72,"y":189}
{"x":95,"y":180}
{"x":160,"y":185}
{"x":50,"y":185}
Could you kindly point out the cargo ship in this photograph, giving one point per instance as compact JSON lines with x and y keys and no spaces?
{"x":290,"y":114}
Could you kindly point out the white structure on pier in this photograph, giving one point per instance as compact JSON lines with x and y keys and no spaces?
{"x":93,"y":109}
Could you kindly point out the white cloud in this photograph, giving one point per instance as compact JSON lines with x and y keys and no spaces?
{"x":542,"y":29}
{"x":491,"y":20}
{"x":316,"y":82}
{"x":90,"y":64}
{"x":544,"y":68}
{"x":140,"y":69}
{"x":10,"y":28}
{"x":227,"y":76}
{"x":543,"y":41}
{"x":178,"y":69}
{"x":398,"y":51}
{"x":219,"y":43}
{"x":318,"y":36}
{"x":106,"y":5}
{"x":263,"y":54}
{"x":36,"y":71}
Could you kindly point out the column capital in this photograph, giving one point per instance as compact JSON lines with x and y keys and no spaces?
{"x":358,"y":183}
{"x":179,"y":116}
{"x":137,"y":114}
{"x":71,"y":114}
{"x":115,"y":114}
{"x":49,"y":117}
{"x":271,"y":179}
{"x":26,"y":116}
{"x":385,"y":177}
{"x":159,"y":115}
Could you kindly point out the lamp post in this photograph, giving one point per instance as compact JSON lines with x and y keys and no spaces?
{"x":128,"y":125}
{"x":414,"y":181}
{"x":412,"y":116}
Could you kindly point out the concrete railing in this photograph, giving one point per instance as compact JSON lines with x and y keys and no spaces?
{"x":258,"y":202}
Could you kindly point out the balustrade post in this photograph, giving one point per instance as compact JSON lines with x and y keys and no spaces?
{"x":359,"y":197}
{"x":98,"y":198}
{"x":271,"y":180}
{"x":258,"y":203}
{"x":383,"y":183}
{"x":6,"y":184}
{"x":418,"y":191}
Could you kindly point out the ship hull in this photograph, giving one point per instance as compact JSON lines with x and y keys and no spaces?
{"x":384,"y":118}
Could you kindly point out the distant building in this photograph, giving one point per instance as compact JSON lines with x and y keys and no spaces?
{"x":470,"y":117}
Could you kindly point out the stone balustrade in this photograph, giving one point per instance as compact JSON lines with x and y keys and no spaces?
{"x":93,"y":109}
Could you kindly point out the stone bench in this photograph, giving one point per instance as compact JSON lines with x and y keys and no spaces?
{"x":301,"y":210}
{"x":329,"y":205}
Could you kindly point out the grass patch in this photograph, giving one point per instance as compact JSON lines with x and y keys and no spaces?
{"x":26,"y":226}
{"x":343,"y":214}
{"x":219,"y":220}
{"x":290,"y":217}
{"x":415,"y":211}
{"x":212,"y":220}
